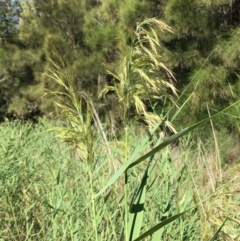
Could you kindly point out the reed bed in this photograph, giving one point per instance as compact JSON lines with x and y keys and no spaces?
{"x":46,"y":190}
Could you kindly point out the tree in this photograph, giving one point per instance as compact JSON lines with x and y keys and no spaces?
{"x":9,"y":24}
{"x":61,"y":28}
{"x":204,"y":50}
{"x":9,"y":14}
{"x":45,"y":27}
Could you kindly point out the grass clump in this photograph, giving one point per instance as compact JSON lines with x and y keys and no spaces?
{"x":39,"y":180}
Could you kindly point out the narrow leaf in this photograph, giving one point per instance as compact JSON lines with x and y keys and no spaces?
{"x":123,"y":168}
{"x":158,"y":226}
{"x":218,"y":231}
{"x":137,"y":208}
{"x":176,"y":136}
{"x":130,"y":163}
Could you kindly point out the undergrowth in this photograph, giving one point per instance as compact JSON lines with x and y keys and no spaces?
{"x":45,"y":188}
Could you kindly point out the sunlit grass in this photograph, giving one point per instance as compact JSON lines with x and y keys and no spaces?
{"x":44,"y":189}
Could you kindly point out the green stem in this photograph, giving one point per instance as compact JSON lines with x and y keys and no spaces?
{"x":126,"y":186}
{"x":93,"y":205}
{"x":126,"y":207}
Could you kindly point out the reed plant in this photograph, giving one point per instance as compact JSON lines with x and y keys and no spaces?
{"x":137,"y":162}
{"x":141,"y":77}
{"x":140,"y":187}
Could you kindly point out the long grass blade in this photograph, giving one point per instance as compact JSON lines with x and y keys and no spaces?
{"x":218,"y":231}
{"x":123,"y":168}
{"x":130,"y":163}
{"x":176,"y":136}
{"x":158,"y":226}
{"x":137,"y":209}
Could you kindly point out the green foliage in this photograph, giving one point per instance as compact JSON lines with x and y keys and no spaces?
{"x":135,"y":13}
{"x":18,"y":71}
{"x":85,"y":35}
{"x":30,"y":198}
{"x":9,"y":12}
{"x":187,"y":18}
{"x":90,"y":37}
{"x":203,"y":54}
{"x":45,"y":189}
{"x":100,"y":39}
{"x":95,"y":191}
{"x":42,"y":26}
{"x":80,"y":133}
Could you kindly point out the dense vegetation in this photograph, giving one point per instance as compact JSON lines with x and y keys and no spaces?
{"x":46,"y":186}
{"x":93,"y":36}
{"x":127,"y":79}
